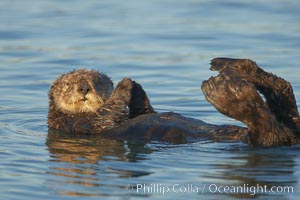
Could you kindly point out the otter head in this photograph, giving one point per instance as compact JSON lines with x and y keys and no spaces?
{"x":80,"y":91}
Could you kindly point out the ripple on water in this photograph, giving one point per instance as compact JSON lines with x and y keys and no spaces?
{"x":162,"y":45}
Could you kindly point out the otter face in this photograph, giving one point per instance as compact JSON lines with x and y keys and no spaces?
{"x":80,"y":91}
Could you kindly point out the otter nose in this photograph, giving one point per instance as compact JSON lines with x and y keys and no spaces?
{"x":84,"y":88}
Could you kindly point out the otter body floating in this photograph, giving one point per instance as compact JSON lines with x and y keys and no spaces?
{"x":85,"y":102}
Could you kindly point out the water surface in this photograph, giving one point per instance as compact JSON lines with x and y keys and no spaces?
{"x":166,"y":46}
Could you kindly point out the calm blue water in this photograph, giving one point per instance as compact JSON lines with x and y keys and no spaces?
{"x":166,"y":46}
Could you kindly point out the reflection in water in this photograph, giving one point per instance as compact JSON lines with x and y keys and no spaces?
{"x":86,"y":161}
{"x":259,"y":167}
{"x":95,"y":166}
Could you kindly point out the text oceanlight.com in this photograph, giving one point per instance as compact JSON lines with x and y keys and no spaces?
{"x":208,"y":188}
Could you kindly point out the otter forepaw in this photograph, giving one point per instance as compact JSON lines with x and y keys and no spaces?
{"x":139,"y":103}
{"x":123,"y":91}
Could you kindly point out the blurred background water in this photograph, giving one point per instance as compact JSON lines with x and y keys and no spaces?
{"x":165,"y":45}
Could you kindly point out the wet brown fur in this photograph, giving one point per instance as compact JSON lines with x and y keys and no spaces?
{"x":84,"y":101}
{"x":126,"y":113}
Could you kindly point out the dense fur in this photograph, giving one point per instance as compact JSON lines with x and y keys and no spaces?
{"x":80,"y":91}
{"x":84,"y":101}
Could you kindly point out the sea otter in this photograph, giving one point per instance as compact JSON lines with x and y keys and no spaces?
{"x":84,"y":101}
